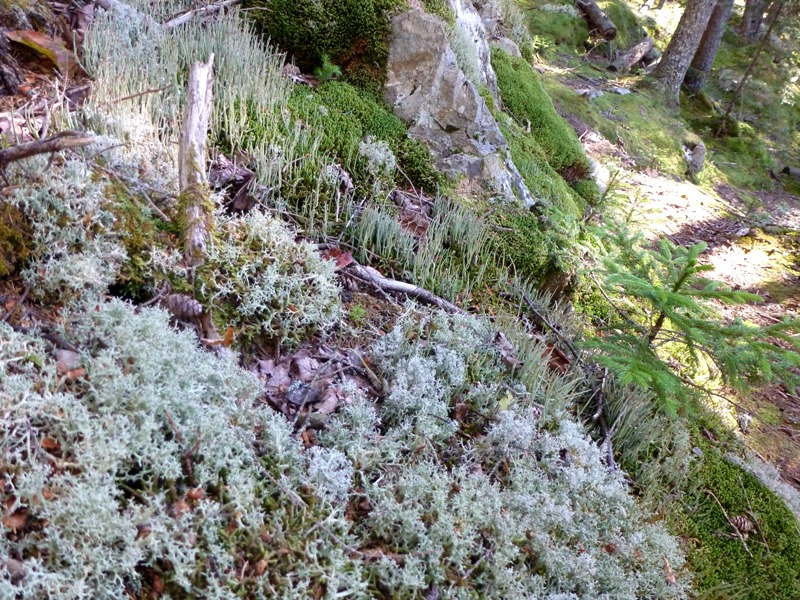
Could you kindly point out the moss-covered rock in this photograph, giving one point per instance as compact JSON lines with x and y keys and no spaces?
{"x":523,"y":95}
{"x":353,"y":33}
{"x":542,"y":180}
{"x":343,"y":115}
{"x":15,"y":239}
{"x":718,"y":558}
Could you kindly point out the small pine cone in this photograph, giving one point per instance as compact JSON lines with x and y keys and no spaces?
{"x":742,"y":524}
{"x":183,"y":306}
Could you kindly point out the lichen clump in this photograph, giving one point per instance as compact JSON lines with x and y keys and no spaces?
{"x":264,"y":284}
{"x":154,"y":467}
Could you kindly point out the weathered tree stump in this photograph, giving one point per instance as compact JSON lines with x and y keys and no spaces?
{"x":597,"y":19}
{"x":792,"y":172}
{"x":195,"y":206}
{"x":627,"y":59}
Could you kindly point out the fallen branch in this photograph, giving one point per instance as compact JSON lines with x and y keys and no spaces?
{"x":401,"y":287}
{"x":65,"y":140}
{"x":194,"y":203}
{"x":204,"y":10}
{"x":627,"y":59}
{"x":597,"y":19}
{"x":136,"y":95}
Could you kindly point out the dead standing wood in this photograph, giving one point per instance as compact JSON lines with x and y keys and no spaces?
{"x":597,"y":19}
{"x":626,"y":60}
{"x":195,"y":206}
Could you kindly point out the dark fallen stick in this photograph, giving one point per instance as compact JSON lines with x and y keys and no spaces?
{"x":596,"y":394}
{"x":65,"y":140}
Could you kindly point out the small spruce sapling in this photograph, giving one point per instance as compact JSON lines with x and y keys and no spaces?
{"x":668,"y":332}
{"x":327,"y":70}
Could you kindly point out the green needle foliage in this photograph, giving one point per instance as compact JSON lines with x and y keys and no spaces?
{"x":667,"y":335}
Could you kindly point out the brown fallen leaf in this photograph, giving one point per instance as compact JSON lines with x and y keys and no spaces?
{"x":143,"y":530}
{"x":226,"y":341}
{"x":50,"y":444}
{"x":260,"y":568}
{"x":342,"y":259}
{"x":670,"y":573}
{"x":51,"y":48}
{"x":16,"y":521}
{"x":75,"y":374}
{"x":178,"y":509}
{"x":196,"y":494}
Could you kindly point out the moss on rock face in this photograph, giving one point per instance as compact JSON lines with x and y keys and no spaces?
{"x":344,"y":115}
{"x":542,"y":181}
{"x":523,"y":95}
{"x":353,"y":33}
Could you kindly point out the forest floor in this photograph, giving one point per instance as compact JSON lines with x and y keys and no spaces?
{"x":753,"y":241}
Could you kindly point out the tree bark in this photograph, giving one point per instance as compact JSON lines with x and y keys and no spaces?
{"x":597,"y":19}
{"x":627,"y":59}
{"x":751,"y":21}
{"x":698,"y":71}
{"x":681,"y":49}
{"x":195,"y":206}
{"x":10,"y":73}
{"x":751,"y":66}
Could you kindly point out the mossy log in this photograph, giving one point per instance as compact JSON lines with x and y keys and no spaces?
{"x":597,"y":19}
{"x":626,"y":60}
{"x":196,"y":208}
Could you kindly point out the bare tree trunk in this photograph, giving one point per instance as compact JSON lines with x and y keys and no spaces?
{"x":789,"y":12}
{"x":681,"y":49}
{"x":709,"y":45}
{"x":751,"y":66}
{"x":597,"y":19}
{"x":751,"y":21}
{"x":10,"y":73}
{"x":627,"y":59}
{"x":196,"y":209}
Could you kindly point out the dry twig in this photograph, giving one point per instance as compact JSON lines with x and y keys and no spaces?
{"x":727,"y":518}
{"x":65,"y":140}
{"x":401,"y":287}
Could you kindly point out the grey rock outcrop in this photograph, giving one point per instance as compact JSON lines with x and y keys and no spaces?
{"x":426,"y":88}
{"x":471,"y":25}
{"x":508,"y":46}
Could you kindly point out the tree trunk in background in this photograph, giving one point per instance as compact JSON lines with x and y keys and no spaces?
{"x":704,"y":57}
{"x":681,"y":49}
{"x":751,"y":21}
